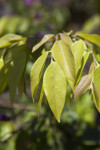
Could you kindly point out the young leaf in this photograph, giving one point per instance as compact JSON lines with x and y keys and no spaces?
{"x":78,"y":48}
{"x":44,"y":40}
{"x":36,"y":72}
{"x":54,"y":83}
{"x":66,"y":38}
{"x":7,"y":39}
{"x":14,"y":74}
{"x":63,"y":56}
{"x":93,"y":38}
{"x":83,"y":85}
{"x":96,"y":88}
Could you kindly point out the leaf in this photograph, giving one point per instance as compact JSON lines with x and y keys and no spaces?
{"x":65,"y":59}
{"x":14,"y":74}
{"x":92,"y":68}
{"x":3,"y":76}
{"x":3,"y":80}
{"x":7,"y":39}
{"x":44,"y":40}
{"x":96,"y":88}
{"x":66,"y":38}
{"x":93,"y":38}
{"x":40,"y":99}
{"x":83,"y":62}
{"x":14,"y":52}
{"x":78,"y":48}
{"x":22,"y":85}
{"x":83,"y":85}
{"x":54,"y":83}
{"x":1,"y":63}
{"x":36,"y":72}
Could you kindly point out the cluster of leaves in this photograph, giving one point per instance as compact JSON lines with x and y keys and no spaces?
{"x":68,"y":54}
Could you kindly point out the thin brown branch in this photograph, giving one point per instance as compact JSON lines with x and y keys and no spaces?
{"x":5,"y":103}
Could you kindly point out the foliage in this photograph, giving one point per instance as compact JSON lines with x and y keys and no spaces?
{"x":61,"y":62}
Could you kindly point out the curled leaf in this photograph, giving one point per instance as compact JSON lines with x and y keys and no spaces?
{"x":83,"y":85}
{"x":44,"y":40}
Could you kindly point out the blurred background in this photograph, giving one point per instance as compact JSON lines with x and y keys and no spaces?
{"x":20,"y":126}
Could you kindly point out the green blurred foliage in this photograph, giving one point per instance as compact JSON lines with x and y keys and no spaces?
{"x":80,"y":126}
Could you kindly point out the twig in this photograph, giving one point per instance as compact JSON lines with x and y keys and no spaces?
{"x":5,"y":103}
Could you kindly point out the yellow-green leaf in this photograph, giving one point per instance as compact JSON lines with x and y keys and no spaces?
{"x":46,"y":38}
{"x":14,"y":74}
{"x":66,"y":38}
{"x":63,"y":56}
{"x":83,"y":62}
{"x":1,"y":63}
{"x":96,"y":88}
{"x":83,"y":85}
{"x":7,"y":39}
{"x":36,"y":72}
{"x":40,"y":98}
{"x":93,"y":38}
{"x":54,"y":83}
{"x":3,"y":76}
{"x":78,"y":48}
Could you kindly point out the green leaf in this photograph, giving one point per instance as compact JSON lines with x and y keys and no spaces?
{"x":66,"y":38}
{"x":14,"y":52}
{"x":1,"y":63}
{"x":40,"y":99}
{"x":83,"y":85}
{"x":7,"y":39}
{"x":96,"y":88}
{"x":78,"y":48}
{"x":44,"y":40}
{"x":14,"y":74}
{"x":54,"y":83}
{"x":3,"y":76}
{"x":22,"y":85}
{"x":36,"y":72}
{"x":63,"y":56}
{"x":93,"y":38}
{"x":83,"y":62}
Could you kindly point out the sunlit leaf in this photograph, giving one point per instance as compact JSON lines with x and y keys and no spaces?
{"x":36,"y":72}
{"x":14,"y":74}
{"x":54,"y":83}
{"x":93,"y":38}
{"x":63,"y":56}
{"x":96,"y":88}
{"x":7,"y":39}
{"x":1,"y":63}
{"x":66,"y":38}
{"x":44,"y":40}
{"x":83,"y":85}
{"x":78,"y":48}
{"x":83,"y":62}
